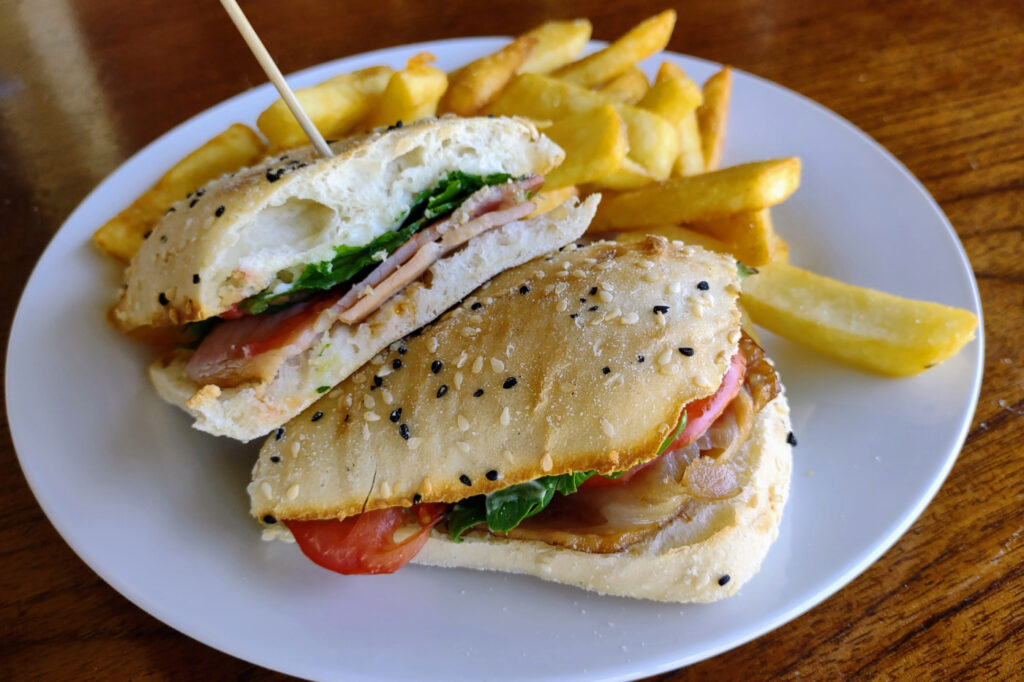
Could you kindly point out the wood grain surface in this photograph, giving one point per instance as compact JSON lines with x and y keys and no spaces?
{"x":939,"y":83}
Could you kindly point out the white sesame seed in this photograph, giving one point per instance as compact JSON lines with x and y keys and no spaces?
{"x":348,"y":400}
{"x":661,"y":319}
{"x":386,"y":396}
{"x":470,"y":332}
{"x":476,"y":318}
{"x":607,"y":428}
{"x":665,"y":356}
{"x":669,"y":369}
{"x":497,"y":365}
{"x":458,"y":380}
{"x":462,"y":422}
{"x":432,"y":344}
{"x":266,"y":489}
{"x":371,"y":416}
{"x":292,"y":492}
{"x":578,"y":274}
{"x":462,"y":445}
{"x":561,"y":286}
{"x":507,"y":454}
{"x":384,"y":371}
{"x":590,"y":261}
{"x":604,"y":296}
{"x":414,"y":443}
{"x":462,"y":360}
{"x":335,"y":393}
{"x":369,"y":402}
{"x":629,"y":318}
{"x":478,"y":364}
{"x":378,"y":360}
{"x":385,"y":489}
{"x":539,"y":274}
{"x":703,"y":382}
{"x":696,"y":309}
{"x":506,"y":417}
{"x":488,"y":300}
{"x":652,"y":276}
{"x":613,"y":314}
{"x":562,"y":305}
{"x":366,"y":431}
{"x":675,"y":287}
{"x":645,"y":264}
{"x":549,"y":289}
{"x":614,"y":379}
{"x":607,"y":286}
{"x":295,"y":448}
{"x":689,"y":251}
{"x":546,"y":463}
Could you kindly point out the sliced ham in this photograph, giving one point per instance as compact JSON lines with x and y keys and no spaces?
{"x":253,"y":348}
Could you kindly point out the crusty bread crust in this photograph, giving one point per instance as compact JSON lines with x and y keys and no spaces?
{"x":568,"y":363}
{"x":702,"y":556}
{"x":229,"y":240}
{"x":250,"y":411}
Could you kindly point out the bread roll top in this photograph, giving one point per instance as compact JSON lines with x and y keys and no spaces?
{"x":233,"y":238}
{"x":580,"y":360}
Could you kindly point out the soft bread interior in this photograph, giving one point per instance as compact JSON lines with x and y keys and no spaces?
{"x":569,"y":363}
{"x":702,"y":556}
{"x":231,"y":239}
{"x":251,"y":411}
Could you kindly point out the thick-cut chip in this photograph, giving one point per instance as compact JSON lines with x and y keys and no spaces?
{"x":672,"y":99}
{"x":411,"y":94}
{"x":235,"y":148}
{"x":653,"y":142}
{"x":749,"y":235}
{"x":627,"y":87}
{"x":700,"y":198}
{"x":641,"y":41}
{"x":712,"y":114}
{"x":547,"y":199}
{"x":335,"y":107}
{"x":691,"y":158}
{"x":475,"y":84}
{"x":630,"y":175}
{"x":595,"y":146}
{"x":866,"y":328}
{"x":558,"y":43}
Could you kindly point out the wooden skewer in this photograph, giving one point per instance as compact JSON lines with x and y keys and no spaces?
{"x":274,"y":74}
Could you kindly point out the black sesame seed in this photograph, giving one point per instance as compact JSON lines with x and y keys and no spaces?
{"x":317,"y":416}
{"x":200,"y":192}
{"x":193,"y":202}
{"x":593,"y":291}
{"x":492,"y":475}
{"x":510,"y":382}
{"x":396,"y":415}
{"x":347,"y":416}
{"x":465,"y":480}
{"x":476,"y":306}
{"x":478,"y":392}
{"x":688,"y":352}
{"x":403,"y":431}
{"x":583,"y":300}
{"x":378,"y":381}
{"x":606,"y":370}
{"x":275,"y":459}
{"x":703,"y":286}
{"x":220,"y":211}
{"x":524,"y":289}
{"x":269,"y":519}
{"x":398,"y":124}
{"x":189,"y":195}
{"x":396,"y":364}
{"x":436,"y":366}
{"x":274,"y":175}
{"x":402,"y":350}
{"x":574,"y":315}
{"x":661,"y":309}
{"x":791,"y":439}
{"x":195,"y":278}
{"x":146,"y":236}
{"x":163,"y":239}
{"x":416,"y":498}
{"x":170,"y":210}
{"x":279,"y":434}
{"x":723,"y":580}
{"x":282,"y":157}
{"x":639,"y":358}
{"x":591,"y":308}
{"x":441,"y":391}
{"x":162,"y":298}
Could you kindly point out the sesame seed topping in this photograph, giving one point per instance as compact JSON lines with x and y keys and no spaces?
{"x":478,"y":364}
{"x":509,"y":382}
{"x":462,"y":360}
{"x":317,"y":416}
{"x":458,"y":381}
{"x":402,"y":350}
{"x":195,"y":279}
{"x":524,"y":289}
{"x":403,"y":431}
{"x":791,"y":439}
{"x":266,"y":489}
{"x":607,"y":428}
{"x":462,"y":445}
{"x":442,"y":390}
{"x":506,"y":416}
{"x":672,"y":369}
{"x":492,"y":475}
{"x":724,"y":580}
{"x":275,"y":459}
{"x":660,"y":309}
{"x":562,"y":306}
{"x":368,"y":402}
{"x":193,"y":202}
{"x":478,"y":392}
{"x":462,"y":422}
{"x":464,"y":479}
{"x":651,"y":276}
{"x":162,"y":298}
{"x":645,"y":264}
{"x":629,"y":318}
{"x":665,"y":356}
{"x":605,"y":297}
{"x":396,"y":364}
{"x":377,"y":380}
{"x":497,"y":365}
{"x":688,"y":352}
{"x":546,"y":463}
{"x":639,"y":358}
{"x":675,"y":287}
{"x":292,"y":492}
{"x":470,"y":332}
{"x":703,"y":286}
{"x":476,"y":306}
{"x":269,"y":519}
{"x":593,"y":291}
{"x":661,"y":320}
{"x":606,"y":370}
{"x":591,"y":308}
{"x":432,"y":344}
{"x":702,"y":381}
{"x":371,"y":416}
{"x":436,"y":366}
{"x":386,"y":395}
{"x":385,"y":489}
{"x":416,"y":498}
{"x":395,"y":415}
{"x":574,"y":315}
{"x":220,"y":211}
{"x":279,"y":434}
{"x":295,"y":448}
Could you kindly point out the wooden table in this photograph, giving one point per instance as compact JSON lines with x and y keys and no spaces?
{"x":940,"y":84}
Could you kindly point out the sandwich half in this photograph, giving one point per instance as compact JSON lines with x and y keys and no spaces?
{"x":293,"y":273}
{"x":595,"y":417}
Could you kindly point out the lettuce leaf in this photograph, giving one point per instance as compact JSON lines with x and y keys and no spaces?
{"x":505,"y":509}
{"x":349,"y":262}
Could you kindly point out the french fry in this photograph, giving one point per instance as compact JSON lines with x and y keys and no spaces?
{"x":595,"y":145}
{"x":711,"y":116}
{"x":558,"y":43}
{"x":701,"y":198}
{"x":672,"y":99}
{"x":630,"y":175}
{"x":235,"y":148}
{"x":411,"y":94}
{"x":641,"y":41}
{"x":547,"y":199}
{"x":749,"y":236}
{"x":691,"y":158}
{"x":866,"y":328}
{"x":475,"y":84}
{"x":334,"y":106}
{"x":628,"y":87}
{"x":653,"y":142}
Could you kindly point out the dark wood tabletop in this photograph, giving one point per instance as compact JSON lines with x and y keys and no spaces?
{"x":85,"y":84}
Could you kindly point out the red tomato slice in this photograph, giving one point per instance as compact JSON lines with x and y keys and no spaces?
{"x":364,"y":543}
{"x":700,"y":415}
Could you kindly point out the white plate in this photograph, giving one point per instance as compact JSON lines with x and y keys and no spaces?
{"x":160,"y":511}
